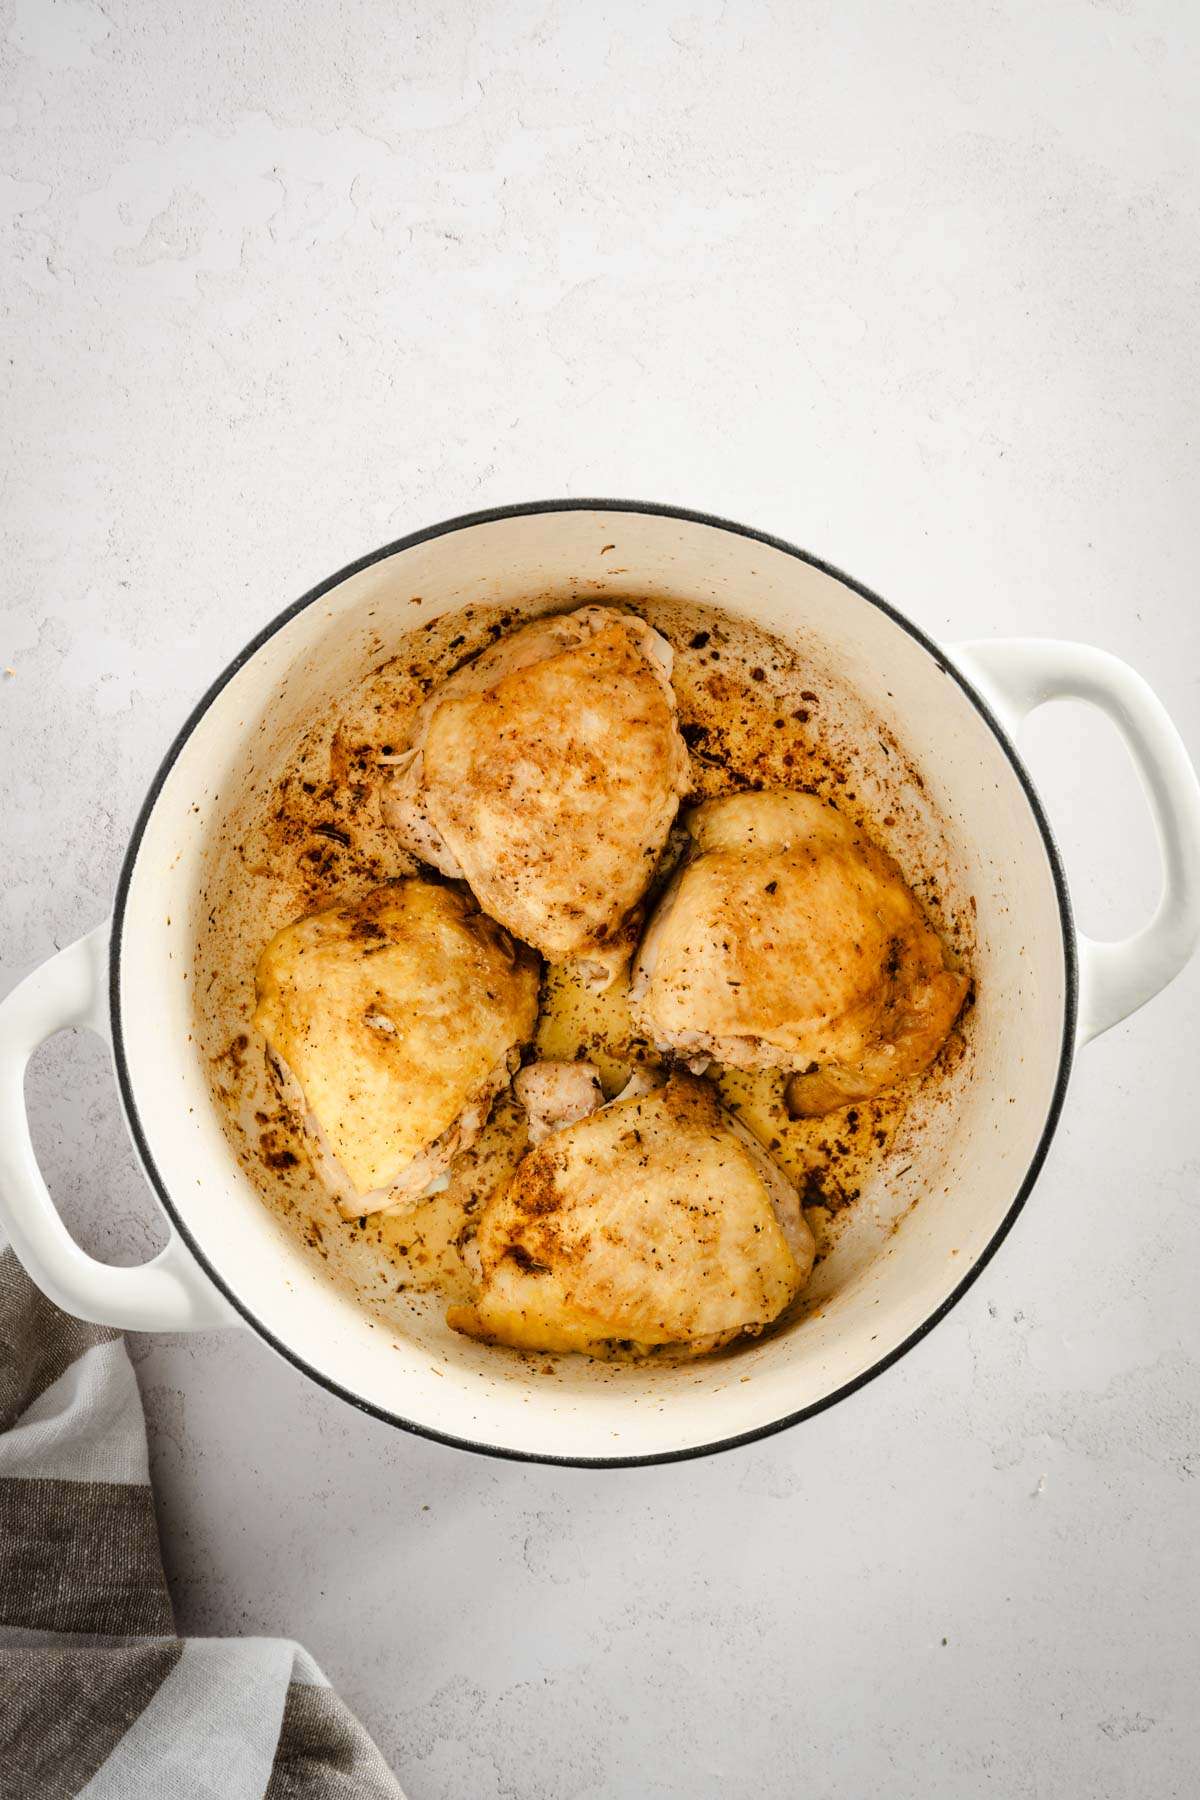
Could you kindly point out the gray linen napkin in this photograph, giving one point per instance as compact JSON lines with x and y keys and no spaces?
{"x":98,"y":1696}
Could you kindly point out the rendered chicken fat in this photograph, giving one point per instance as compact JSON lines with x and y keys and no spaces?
{"x":395,"y":1020}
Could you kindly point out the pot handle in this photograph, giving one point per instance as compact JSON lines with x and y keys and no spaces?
{"x":1015,"y":675}
{"x":168,"y":1293}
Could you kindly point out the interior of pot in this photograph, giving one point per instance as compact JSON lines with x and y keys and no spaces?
{"x":932,"y":1208}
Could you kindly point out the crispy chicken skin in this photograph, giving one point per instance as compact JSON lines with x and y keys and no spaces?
{"x":547,"y":774}
{"x":393,"y":1021}
{"x":789,"y":940}
{"x":651,"y":1223}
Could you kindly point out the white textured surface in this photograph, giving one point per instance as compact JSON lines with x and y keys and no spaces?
{"x":913,"y":285}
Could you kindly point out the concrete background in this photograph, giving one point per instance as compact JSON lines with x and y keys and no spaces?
{"x":911,"y":284}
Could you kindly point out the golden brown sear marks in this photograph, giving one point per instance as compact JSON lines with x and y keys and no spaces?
{"x":396,"y":1015}
{"x":791,"y":941}
{"x":649,"y":1224}
{"x":547,"y":773}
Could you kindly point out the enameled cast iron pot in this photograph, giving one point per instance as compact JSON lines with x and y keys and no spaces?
{"x":1044,"y":990}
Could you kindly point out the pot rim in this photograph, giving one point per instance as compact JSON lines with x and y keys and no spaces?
{"x":526,"y":509}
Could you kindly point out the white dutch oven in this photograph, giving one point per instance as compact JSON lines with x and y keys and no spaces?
{"x":1043,"y":990}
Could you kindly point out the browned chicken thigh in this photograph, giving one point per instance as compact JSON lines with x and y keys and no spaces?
{"x":788,"y":940}
{"x":652,"y":1222}
{"x":547,"y":773}
{"x":392,"y":1023}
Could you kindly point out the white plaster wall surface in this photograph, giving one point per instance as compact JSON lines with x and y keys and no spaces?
{"x":913,"y":285}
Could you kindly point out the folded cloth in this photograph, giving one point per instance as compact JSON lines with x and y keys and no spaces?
{"x":98,"y":1696}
